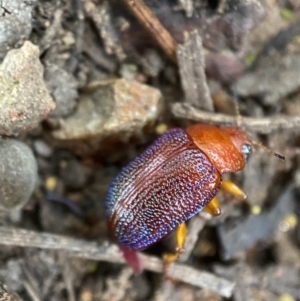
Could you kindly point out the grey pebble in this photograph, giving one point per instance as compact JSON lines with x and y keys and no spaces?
{"x":18,"y":174}
{"x":6,"y":295}
{"x":24,"y":98}
{"x":15,"y":23}
{"x":272,"y":83}
{"x":42,"y":148}
{"x":63,"y":88}
{"x":12,"y":275}
{"x":74,"y":174}
{"x":117,"y":109}
{"x":235,"y":238}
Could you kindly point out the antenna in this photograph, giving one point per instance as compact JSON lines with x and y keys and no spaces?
{"x":239,"y":124}
{"x":281,"y":157}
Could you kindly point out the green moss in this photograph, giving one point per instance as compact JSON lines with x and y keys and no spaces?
{"x":286,"y":14}
{"x":250,"y":58}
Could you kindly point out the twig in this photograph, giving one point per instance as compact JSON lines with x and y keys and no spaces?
{"x":67,"y":276}
{"x":192,"y":72}
{"x":109,"y":252}
{"x":221,"y":6}
{"x":5,"y":10}
{"x":164,"y":292}
{"x":187,"y":6}
{"x":51,"y":31}
{"x":264,"y":125}
{"x":31,"y":286}
{"x":79,"y":33}
{"x":195,"y":226}
{"x":121,"y":282}
{"x":101,"y":16}
{"x":153,"y":26}
{"x":31,"y":292}
{"x":6,"y":295}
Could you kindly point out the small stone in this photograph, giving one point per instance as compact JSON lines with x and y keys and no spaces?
{"x":240,"y":18}
{"x":85,"y":295}
{"x":11,"y":273}
{"x":113,"y":112}
{"x":236,"y":237}
{"x":161,"y":128}
{"x":15,"y":23}
{"x":128,"y":71}
{"x":18,"y":174}
{"x":286,"y":297}
{"x":224,"y":67}
{"x":7,"y":295}
{"x":50,"y":183}
{"x":152,"y":63}
{"x":24,"y":98}
{"x":42,"y":148}
{"x":63,"y":88}
{"x":74,"y":174}
{"x":272,"y":83}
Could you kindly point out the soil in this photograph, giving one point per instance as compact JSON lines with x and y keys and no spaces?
{"x":87,"y":85}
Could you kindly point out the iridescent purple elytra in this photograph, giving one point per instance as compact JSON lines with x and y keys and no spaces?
{"x":167,"y":184}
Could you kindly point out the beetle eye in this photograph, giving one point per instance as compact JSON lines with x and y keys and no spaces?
{"x":246,"y":150}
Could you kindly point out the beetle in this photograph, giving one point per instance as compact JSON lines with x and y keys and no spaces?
{"x":172,"y":180}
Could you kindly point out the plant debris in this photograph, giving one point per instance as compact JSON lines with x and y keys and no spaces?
{"x":86,"y":86}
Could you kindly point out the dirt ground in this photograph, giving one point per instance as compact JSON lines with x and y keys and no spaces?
{"x":87,"y":85}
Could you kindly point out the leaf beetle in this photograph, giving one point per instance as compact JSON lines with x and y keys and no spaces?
{"x":172,"y":180}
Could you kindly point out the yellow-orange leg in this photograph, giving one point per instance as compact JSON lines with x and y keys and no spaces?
{"x":213,"y":207}
{"x":180,"y":236}
{"x":233,"y":189}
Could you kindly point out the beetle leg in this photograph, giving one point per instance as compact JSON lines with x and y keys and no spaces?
{"x":213,"y":207}
{"x":180,"y":234}
{"x":233,"y":189}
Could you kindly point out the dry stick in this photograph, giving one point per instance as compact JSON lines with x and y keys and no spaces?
{"x":101,"y":16}
{"x":187,"y":6}
{"x":164,"y":292}
{"x":6,"y":295}
{"x":68,"y":276}
{"x":153,"y":26}
{"x":191,"y":63}
{"x":30,"y":284}
{"x":79,"y":33}
{"x":190,"y":55}
{"x":51,"y":31}
{"x":109,"y":252}
{"x":263,"y":125}
{"x":196,"y":225}
{"x":30,"y":291}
